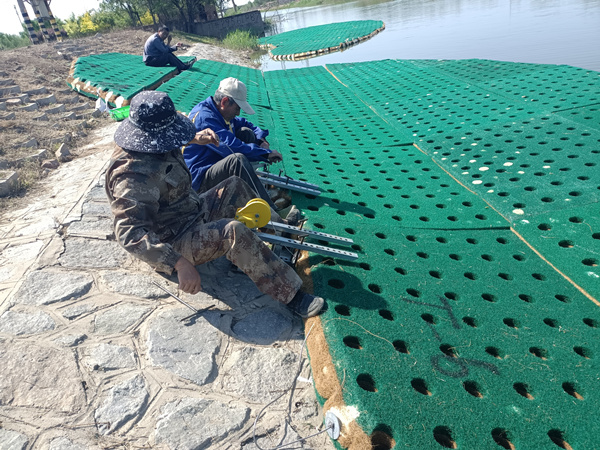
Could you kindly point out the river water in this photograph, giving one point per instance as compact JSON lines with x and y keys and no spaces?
{"x":534,"y":31}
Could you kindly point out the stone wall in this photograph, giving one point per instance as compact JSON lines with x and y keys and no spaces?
{"x":221,"y":27}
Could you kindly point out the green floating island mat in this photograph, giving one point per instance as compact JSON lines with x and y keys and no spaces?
{"x":116,"y":77}
{"x":194,"y":85}
{"x":313,"y":41}
{"x":467,"y":321}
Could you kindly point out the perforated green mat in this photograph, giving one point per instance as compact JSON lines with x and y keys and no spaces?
{"x":311,"y":41}
{"x":116,"y":76}
{"x":450,"y":330}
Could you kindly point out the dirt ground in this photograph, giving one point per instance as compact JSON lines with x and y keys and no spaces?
{"x":46,"y":66}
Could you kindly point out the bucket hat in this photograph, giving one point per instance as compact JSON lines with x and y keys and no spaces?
{"x":234,"y":88}
{"x":153,"y":125}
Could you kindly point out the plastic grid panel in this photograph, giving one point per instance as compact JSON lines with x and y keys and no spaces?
{"x":525,"y":168}
{"x":393,"y":187}
{"x":462,"y":339}
{"x":570,"y":240}
{"x":320,"y":37}
{"x":124,"y":75}
{"x":194,"y":85}
{"x":589,"y":116}
{"x":552,"y":86}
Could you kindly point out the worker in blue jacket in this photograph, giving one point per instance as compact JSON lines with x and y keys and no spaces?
{"x":158,"y":51}
{"x":241,"y":142}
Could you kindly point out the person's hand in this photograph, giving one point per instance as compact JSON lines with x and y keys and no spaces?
{"x":275,"y":156}
{"x":179,"y":44}
{"x":265,"y":144}
{"x":188,"y":276}
{"x":205,"y":137}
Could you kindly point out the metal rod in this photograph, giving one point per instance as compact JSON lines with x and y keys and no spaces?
{"x":175,"y":297}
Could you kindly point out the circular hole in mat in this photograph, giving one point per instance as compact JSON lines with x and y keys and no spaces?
{"x":503,"y":438}
{"x":422,"y":255}
{"x":356,"y":248}
{"x":370,"y":216}
{"x":472,"y":241}
{"x":442,"y":240}
{"x":553,"y":323}
{"x":381,"y":235}
{"x":519,"y":257}
{"x":565,"y":244}
{"x":401,"y":346}
{"x":420,"y":385}
{"x":575,"y":219}
{"x":435,"y":274}
{"x":487,"y":257}
{"x":489,"y":298}
{"x":411,"y":238}
{"x":562,"y":298}
{"x":386,"y":314}
{"x":382,"y":440}
{"x":470,"y":276}
{"x":495,"y":352}
{"x":583,"y":352}
{"x":413,"y":292}
{"x":350,"y":231}
{"x":526,"y":298}
{"x":398,"y":218}
{"x":429,"y":318}
{"x":559,"y":438}
{"x":319,"y":226}
{"x":400,"y":270}
{"x":572,"y":389}
{"x":539,"y":352}
{"x":335,"y":283}
{"x":523,"y":390}
{"x":340,"y":212}
{"x":473,"y":388}
{"x":364,"y":266}
{"x":513,"y":323}
{"x":505,"y":276}
{"x":449,"y":350}
{"x":424,"y":219}
{"x":352,"y":342}
{"x":443,"y":436}
{"x":376,"y":289}
{"x":544,"y":227}
{"x":590,"y":262}
{"x":455,"y":257}
{"x":366,"y":382}
{"x":451,"y":296}
{"x":390,"y":252}
{"x":342,"y":310}
{"x":596,"y":235}
{"x":591,"y":322}
{"x":471,"y":321}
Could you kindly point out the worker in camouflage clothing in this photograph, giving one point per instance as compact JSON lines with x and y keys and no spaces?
{"x":161,"y":220}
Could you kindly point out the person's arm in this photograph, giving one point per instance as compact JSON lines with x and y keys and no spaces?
{"x":230,"y":144}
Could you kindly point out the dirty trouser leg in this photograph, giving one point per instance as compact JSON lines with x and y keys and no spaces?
{"x":239,"y":166}
{"x":241,"y":246}
{"x":226,"y":197}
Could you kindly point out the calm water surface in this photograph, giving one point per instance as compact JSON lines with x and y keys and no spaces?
{"x":534,"y":31}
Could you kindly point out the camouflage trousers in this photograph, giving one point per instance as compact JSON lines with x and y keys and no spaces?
{"x":217,"y":234}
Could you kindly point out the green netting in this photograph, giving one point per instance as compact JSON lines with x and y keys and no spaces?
{"x":116,"y":73}
{"x":306,"y":42}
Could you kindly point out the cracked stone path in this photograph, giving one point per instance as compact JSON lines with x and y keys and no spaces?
{"x":94,"y":356}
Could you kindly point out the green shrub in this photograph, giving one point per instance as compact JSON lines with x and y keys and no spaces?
{"x":8,"y":41}
{"x":241,"y":40}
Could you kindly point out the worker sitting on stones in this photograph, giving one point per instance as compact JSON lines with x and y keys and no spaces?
{"x":158,"y":51}
{"x":242,"y":142}
{"x":161,"y":220}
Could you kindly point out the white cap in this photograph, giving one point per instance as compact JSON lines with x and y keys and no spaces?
{"x":234,"y":88}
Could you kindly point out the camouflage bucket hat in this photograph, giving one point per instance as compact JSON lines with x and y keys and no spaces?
{"x":153,"y":125}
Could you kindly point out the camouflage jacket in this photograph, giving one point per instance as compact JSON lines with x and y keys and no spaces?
{"x":151,"y":198}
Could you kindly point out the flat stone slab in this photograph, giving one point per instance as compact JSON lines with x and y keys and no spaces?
{"x":109,"y":357}
{"x":7,"y":90}
{"x":92,"y":228}
{"x":45,"y":101}
{"x":97,"y":208}
{"x":9,"y":116}
{"x":262,"y":327}
{"x":64,"y":443}
{"x":2,"y":106}
{"x":11,"y":440}
{"x":119,"y":318}
{"x":128,"y":283}
{"x":44,"y":287}
{"x":29,"y":107}
{"x":60,"y":108}
{"x":196,"y":423}
{"x":78,"y":310}
{"x":38,"y":91}
{"x":18,"y":324}
{"x":175,"y":346}
{"x":70,"y":340}
{"x":7,"y":82}
{"x":31,"y":143}
{"x":92,"y":253}
{"x":8,"y":182}
{"x":259,"y":375}
{"x":125,"y":402}
{"x":40,"y":377}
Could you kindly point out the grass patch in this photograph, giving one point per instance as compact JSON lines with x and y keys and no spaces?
{"x":193,"y":38}
{"x":241,"y":40}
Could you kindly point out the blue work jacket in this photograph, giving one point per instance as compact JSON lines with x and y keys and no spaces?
{"x":199,"y":158}
{"x":155,"y":46}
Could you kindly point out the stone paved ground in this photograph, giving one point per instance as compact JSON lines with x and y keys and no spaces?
{"x":94,"y":356}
